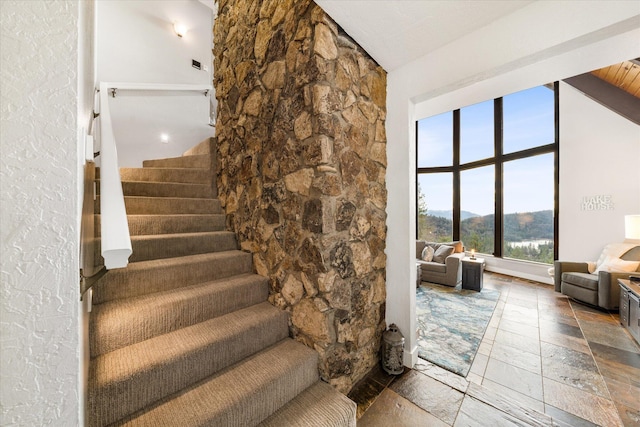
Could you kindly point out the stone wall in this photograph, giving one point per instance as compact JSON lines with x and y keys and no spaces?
{"x":302,"y":160}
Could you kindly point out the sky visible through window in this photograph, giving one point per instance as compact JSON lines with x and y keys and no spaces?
{"x":528,"y":119}
{"x":528,"y":184}
{"x":436,"y":133}
{"x":528,"y":122}
{"x":476,"y":132}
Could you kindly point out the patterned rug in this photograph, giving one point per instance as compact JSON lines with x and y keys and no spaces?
{"x":451,"y":324}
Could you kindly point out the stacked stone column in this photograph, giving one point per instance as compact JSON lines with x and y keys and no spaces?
{"x":302,"y":161}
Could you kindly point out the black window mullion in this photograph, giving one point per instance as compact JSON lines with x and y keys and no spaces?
{"x":456,"y":175}
{"x":498,"y":210}
{"x":416,"y":183}
{"x":556,"y":169}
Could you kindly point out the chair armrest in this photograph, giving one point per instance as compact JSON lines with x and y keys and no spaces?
{"x":560,"y":267}
{"x":420,"y":244}
{"x":454,"y":268}
{"x":453,"y":260}
{"x":608,"y":289}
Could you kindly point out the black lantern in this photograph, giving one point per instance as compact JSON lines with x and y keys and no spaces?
{"x":392,"y":350}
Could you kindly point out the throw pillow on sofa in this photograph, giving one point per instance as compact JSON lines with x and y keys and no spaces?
{"x":427,"y":254}
{"x":442,"y":253}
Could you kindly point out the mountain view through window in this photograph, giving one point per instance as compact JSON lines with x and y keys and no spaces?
{"x":506,"y":174}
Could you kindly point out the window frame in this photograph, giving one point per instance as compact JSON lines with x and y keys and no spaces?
{"x":497,"y":161}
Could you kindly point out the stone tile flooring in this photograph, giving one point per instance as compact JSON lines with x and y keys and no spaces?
{"x":544,"y":361}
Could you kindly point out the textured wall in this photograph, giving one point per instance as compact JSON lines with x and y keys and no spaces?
{"x":39,"y":299}
{"x":302,"y":155}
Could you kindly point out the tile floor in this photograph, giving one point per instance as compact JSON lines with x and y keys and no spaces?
{"x":544,"y":361}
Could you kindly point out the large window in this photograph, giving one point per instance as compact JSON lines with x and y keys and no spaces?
{"x":486,"y":175}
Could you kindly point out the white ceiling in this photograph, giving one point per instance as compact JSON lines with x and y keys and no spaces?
{"x":397,"y":32}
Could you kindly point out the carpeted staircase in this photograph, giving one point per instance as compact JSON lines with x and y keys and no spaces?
{"x":184,"y":336}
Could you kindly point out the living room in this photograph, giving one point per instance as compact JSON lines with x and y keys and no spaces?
{"x":453,"y":84}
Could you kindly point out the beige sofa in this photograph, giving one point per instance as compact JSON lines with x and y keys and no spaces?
{"x":447,"y":271}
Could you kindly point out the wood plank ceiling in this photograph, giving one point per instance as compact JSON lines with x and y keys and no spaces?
{"x":625,"y":75}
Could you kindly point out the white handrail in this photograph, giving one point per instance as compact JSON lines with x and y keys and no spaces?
{"x":157,"y":86}
{"x":115,"y":237}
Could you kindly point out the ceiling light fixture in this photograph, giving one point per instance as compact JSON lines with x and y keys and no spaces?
{"x":180,"y":28}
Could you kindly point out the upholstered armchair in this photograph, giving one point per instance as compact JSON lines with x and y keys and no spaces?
{"x":441,"y":262}
{"x":597,"y":283}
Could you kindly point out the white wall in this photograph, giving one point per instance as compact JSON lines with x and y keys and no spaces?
{"x":599,"y":155}
{"x":136,"y":43}
{"x":139,"y":119}
{"x":39,"y":302}
{"x":540,"y":43}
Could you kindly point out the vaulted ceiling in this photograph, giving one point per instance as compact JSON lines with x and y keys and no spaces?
{"x":624,"y":75}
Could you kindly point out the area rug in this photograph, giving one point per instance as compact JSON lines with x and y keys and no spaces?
{"x":451,"y":324}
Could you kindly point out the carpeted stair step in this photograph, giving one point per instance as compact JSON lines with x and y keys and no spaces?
{"x":110,"y":325}
{"x":164,"y":189}
{"x":160,"y":246}
{"x":145,"y":277}
{"x":242,"y":395}
{"x":202,"y":161}
{"x":185,"y":175}
{"x":168,"y":224}
{"x":319,"y":405}
{"x":205,"y":146}
{"x":126,"y":380}
{"x":136,"y":205}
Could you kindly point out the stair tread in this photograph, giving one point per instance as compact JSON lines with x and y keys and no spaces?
{"x":195,"y":159}
{"x":131,"y":169}
{"x":134,"y":181}
{"x":150,"y":224}
{"x":110,"y":322}
{"x":123,"y":363}
{"x":164,"y":168}
{"x":169,"y":198}
{"x":133,"y":377}
{"x":171,"y":216}
{"x":167,"y":205}
{"x":202,"y":175}
{"x":188,"y":259}
{"x":169,"y":245}
{"x":131,"y":188}
{"x":203,"y":147}
{"x":161,"y":274}
{"x":156,"y":167}
{"x":318,"y":405}
{"x":169,"y":236}
{"x":242,"y":395}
